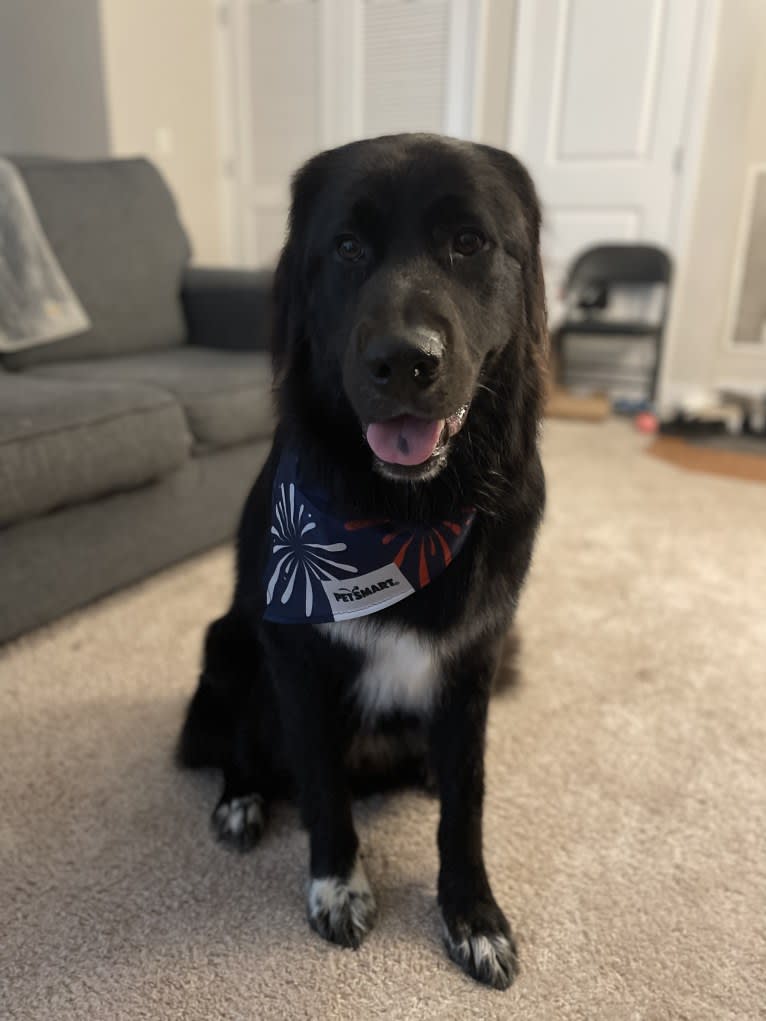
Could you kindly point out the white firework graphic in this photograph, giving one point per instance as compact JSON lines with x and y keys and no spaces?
{"x":298,"y":555}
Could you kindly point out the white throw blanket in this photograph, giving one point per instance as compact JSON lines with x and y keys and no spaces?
{"x":37,"y":305}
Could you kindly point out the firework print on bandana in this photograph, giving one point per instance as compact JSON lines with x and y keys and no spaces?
{"x":325,"y":567}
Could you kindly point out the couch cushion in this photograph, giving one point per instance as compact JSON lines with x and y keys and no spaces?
{"x":114,"y":228}
{"x":226,"y":394}
{"x":65,"y":442}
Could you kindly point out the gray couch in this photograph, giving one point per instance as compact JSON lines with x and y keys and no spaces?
{"x":132,"y":445}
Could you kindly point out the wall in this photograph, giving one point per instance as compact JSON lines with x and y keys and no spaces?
{"x":51,"y":81}
{"x":159,"y":67}
{"x":734,"y":136}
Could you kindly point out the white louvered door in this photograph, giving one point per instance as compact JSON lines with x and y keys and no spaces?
{"x":404,"y":68}
{"x":298,"y":76}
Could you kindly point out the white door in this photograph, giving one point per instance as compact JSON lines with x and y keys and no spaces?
{"x":599,"y":114}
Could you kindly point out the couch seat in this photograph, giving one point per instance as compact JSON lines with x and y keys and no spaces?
{"x":64,"y":441}
{"x":226,"y":395}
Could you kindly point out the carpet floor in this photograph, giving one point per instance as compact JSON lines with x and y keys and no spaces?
{"x":625,"y":811}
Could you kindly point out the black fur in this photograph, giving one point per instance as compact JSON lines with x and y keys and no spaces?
{"x":275,"y":707}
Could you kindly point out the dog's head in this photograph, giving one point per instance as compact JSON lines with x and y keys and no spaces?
{"x":409,"y":283}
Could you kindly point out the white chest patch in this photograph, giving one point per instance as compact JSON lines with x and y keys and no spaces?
{"x":400,"y":672}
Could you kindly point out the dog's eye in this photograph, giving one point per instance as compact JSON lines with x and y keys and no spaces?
{"x":468,"y":242}
{"x":349,"y":248}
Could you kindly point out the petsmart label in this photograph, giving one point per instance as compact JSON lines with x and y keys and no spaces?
{"x":366,"y":593}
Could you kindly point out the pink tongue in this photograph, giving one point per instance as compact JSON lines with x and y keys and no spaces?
{"x":404,"y":440}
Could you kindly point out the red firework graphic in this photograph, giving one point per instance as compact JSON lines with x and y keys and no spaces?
{"x":427,"y":542}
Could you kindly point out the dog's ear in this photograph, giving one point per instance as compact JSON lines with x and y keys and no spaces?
{"x":287,"y":315}
{"x":537,"y":368}
{"x":532,"y":269}
{"x":517,"y":176}
{"x":291,"y":284}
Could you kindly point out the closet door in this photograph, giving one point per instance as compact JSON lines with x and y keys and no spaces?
{"x":298,"y":76}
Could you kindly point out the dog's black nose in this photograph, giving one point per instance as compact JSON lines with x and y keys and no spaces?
{"x":404,"y":362}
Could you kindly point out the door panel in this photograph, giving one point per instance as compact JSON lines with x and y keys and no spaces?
{"x":584,"y":127}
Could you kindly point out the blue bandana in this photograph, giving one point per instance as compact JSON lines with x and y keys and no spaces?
{"x":324,"y":567}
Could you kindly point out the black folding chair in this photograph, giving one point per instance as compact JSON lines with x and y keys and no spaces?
{"x":599,"y":271}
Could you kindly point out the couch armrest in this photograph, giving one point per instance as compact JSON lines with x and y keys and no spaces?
{"x":227,"y":308}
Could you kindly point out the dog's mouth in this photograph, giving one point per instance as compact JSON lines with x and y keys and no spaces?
{"x":407,"y":445}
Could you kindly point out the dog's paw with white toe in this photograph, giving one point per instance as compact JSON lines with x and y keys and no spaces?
{"x":238,"y":822}
{"x":342,"y":910}
{"x":484,"y":949}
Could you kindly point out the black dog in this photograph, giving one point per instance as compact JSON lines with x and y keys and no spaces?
{"x":409,"y":345}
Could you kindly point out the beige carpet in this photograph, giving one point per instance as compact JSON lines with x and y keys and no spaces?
{"x":625,"y":804}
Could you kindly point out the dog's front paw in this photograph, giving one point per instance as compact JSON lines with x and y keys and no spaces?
{"x":238,"y":822}
{"x":482,"y":944}
{"x":342,"y":910}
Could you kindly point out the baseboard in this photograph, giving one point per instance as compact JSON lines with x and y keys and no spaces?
{"x":684,"y":396}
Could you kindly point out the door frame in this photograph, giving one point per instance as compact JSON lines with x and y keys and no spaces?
{"x":225,"y":93}
{"x":672,"y":393}
{"x":745,"y":347}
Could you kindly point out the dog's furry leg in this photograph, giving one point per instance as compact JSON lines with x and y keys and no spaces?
{"x":341,"y":906}
{"x":222,"y":729}
{"x":476,"y":932}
